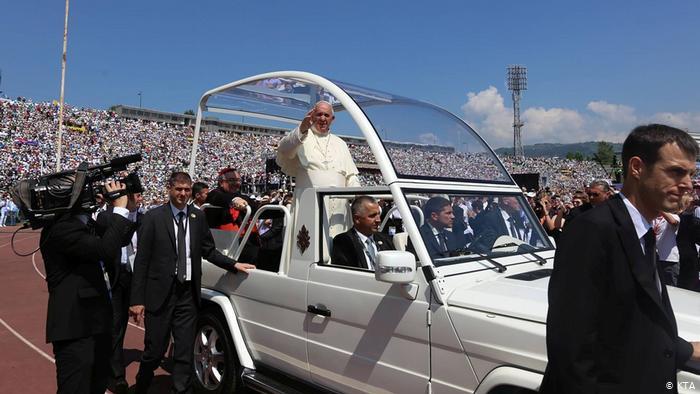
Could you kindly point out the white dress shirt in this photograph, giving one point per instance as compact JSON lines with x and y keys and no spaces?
{"x":129,"y":251}
{"x":641,"y":227}
{"x":175,"y":213}
{"x":363,"y":241}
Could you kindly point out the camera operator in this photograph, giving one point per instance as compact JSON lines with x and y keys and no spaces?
{"x":79,"y":319}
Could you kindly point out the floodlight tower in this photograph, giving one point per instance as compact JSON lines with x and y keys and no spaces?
{"x":517,"y":81}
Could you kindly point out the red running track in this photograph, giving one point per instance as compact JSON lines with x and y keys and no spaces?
{"x":26,"y":365}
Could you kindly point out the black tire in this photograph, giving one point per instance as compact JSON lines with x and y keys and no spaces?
{"x":216,"y":367}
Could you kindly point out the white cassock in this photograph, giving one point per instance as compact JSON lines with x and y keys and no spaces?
{"x":317,"y":160}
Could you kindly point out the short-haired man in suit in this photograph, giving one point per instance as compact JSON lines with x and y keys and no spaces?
{"x":439,"y":217}
{"x":166,"y":284}
{"x":598,"y":192}
{"x":200,"y":191}
{"x":358,"y":246}
{"x":610,"y":325}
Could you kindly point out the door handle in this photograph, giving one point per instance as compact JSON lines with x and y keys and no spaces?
{"x":319,"y":309}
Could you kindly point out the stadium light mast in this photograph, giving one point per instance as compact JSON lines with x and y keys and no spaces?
{"x":517,"y":81}
{"x":63,"y":84}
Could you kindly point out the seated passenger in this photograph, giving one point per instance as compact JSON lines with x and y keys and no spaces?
{"x":504,"y":218}
{"x":358,"y":246}
{"x":436,"y":232}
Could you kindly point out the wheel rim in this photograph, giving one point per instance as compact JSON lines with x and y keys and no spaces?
{"x":209,"y":357}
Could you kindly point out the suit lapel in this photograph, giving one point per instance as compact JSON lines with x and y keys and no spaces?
{"x":167,"y":218}
{"x":381,"y":241}
{"x":427,"y":233}
{"x":642,"y":271}
{"x":359,"y":248}
{"x":193,"y":224}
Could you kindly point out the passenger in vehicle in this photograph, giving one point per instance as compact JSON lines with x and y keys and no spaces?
{"x":319,"y":159}
{"x":437,"y":230}
{"x":358,"y":247}
{"x":228,"y":207}
{"x":228,"y":203}
{"x":503,"y":218}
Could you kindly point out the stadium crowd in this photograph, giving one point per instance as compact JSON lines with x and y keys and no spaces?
{"x":28,"y":146}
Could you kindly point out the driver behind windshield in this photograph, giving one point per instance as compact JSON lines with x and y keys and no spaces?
{"x":437,"y":230}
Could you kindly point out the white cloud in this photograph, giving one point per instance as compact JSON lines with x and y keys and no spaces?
{"x":616,"y":113}
{"x":683,"y":120}
{"x":549,"y":123}
{"x":487,"y":112}
{"x":428,"y":138}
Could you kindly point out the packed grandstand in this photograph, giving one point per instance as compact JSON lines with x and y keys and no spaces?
{"x":28,"y":146}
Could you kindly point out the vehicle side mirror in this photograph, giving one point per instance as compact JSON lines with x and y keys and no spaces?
{"x":395,"y":266}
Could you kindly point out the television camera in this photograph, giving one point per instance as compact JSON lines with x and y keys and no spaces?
{"x":42,"y":200}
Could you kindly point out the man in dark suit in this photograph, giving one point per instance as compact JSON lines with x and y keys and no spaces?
{"x":120,"y":274}
{"x":173,"y":239}
{"x":228,"y":204}
{"x":358,"y":247}
{"x":79,"y":317}
{"x":598,"y":192}
{"x":503,"y":218}
{"x":439,"y":217}
{"x":610,"y":325}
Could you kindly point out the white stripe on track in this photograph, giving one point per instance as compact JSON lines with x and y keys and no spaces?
{"x":17,"y":240}
{"x":36,"y":268}
{"x":26,"y":342}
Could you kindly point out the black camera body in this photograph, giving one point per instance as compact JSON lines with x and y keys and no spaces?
{"x":42,"y":200}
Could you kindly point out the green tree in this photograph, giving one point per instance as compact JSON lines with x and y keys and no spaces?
{"x":605,"y":154}
{"x":578,"y":156}
{"x":189,"y":112}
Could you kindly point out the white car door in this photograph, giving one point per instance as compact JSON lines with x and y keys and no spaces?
{"x":374,"y":338}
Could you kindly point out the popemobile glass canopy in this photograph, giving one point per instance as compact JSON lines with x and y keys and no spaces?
{"x":402,"y":137}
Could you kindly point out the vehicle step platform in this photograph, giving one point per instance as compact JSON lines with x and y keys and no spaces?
{"x":257,"y":381}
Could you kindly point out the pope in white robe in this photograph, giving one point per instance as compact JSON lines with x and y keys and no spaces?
{"x":317,"y":158}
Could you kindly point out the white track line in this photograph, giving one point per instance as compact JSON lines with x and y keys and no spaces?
{"x":44,"y":277}
{"x":26,"y":342}
{"x":18,"y":240}
{"x":36,"y":268}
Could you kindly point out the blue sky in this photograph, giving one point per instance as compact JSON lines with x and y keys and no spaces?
{"x":596,"y":68}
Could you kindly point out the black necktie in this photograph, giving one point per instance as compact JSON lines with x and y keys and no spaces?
{"x":181,"y":249}
{"x":650,"y":255}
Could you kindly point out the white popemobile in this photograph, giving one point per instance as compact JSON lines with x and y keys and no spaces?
{"x":473,"y":322}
